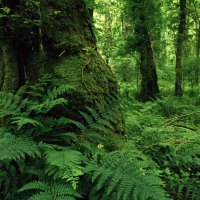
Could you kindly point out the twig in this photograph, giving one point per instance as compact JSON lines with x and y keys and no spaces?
{"x":62,"y":53}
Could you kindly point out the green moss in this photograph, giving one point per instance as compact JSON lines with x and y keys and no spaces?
{"x":69,"y":70}
{"x":72,"y":30}
{"x":92,"y":81}
{"x":88,"y":73}
{"x":9,"y":78}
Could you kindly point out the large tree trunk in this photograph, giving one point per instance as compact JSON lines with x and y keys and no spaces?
{"x":179,"y":50}
{"x":54,"y":37}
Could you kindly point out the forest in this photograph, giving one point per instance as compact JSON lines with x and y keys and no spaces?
{"x":100,"y":100}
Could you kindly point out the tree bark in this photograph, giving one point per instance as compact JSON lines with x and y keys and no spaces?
{"x":59,"y":40}
{"x":179,"y":50}
{"x":149,"y":85}
{"x":197,"y":54}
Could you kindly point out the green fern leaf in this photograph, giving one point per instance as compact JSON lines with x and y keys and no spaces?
{"x":65,"y":164}
{"x":16,"y":148}
{"x":38,"y":185}
{"x":120,"y":176}
{"x":22,"y":121}
{"x":50,"y":190}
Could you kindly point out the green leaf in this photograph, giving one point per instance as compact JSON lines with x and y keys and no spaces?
{"x":6,"y":10}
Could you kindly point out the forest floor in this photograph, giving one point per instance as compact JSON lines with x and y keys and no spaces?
{"x":167,"y":130}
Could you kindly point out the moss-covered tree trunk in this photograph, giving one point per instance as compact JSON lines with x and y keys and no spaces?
{"x":53,"y":37}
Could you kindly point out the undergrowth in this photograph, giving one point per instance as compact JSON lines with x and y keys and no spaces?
{"x":167,"y":130}
{"x":44,"y":157}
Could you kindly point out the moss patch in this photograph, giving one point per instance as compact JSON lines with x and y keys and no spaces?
{"x":9,"y":77}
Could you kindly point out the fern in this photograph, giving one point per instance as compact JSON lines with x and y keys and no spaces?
{"x":15,"y":148}
{"x":28,"y":130}
{"x":175,"y":150}
{"x":37,"y":90}
{"x":56,"y":92}
{"x":64,"y":164}
{"x":50,"y":190}
{"x":9,"y":104}
{"x":47,"y":105}
{"x":97,"y":127}
{"x":22,"y":121}
{"x":121,"y":175}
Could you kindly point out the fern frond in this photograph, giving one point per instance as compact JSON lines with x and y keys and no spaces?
{"x":16,"y":148}
{"x":41,"y":196}
{"x":121,"y":176}
{"x":56,"y":92}
{"x":47,"y":105}
{"x":38,"y":185}
{"x":88,"y":118}
{"x":22,"y":121}
{"x":79,"y":125}
{"x":93,"y":112}
{"x":9,"y":104}
{"x":37,"y":89}
{"x":188,"y":156}
{"x":64,"y":164}
{"x":50,"y":190}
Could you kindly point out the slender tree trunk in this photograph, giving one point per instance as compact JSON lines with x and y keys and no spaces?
{"x":149,"y":85}
{"x":179,"y":50}
{"x":109,"y":38}
{"x":197,"y":55}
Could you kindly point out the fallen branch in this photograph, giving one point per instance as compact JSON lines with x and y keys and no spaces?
{"x":171,"y":121}
{"x":185,"y":126}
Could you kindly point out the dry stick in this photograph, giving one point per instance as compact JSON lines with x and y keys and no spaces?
{"x":185,"y":126}
{"x":82,"y":80}
{"x":62,"y":53}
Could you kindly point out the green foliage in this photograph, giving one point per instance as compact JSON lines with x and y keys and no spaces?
{"x":50,"y":190}
{"x":27,"y":137}
{"x":30,"y":135}
{"x":16,"y":148}
{"x":98,"y":124}
{"x":65,"y":165}
{"x":158,"y":158}
{"x":126,"y":175}
{"x":45,"y":155}
{"x":167,"y":131}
